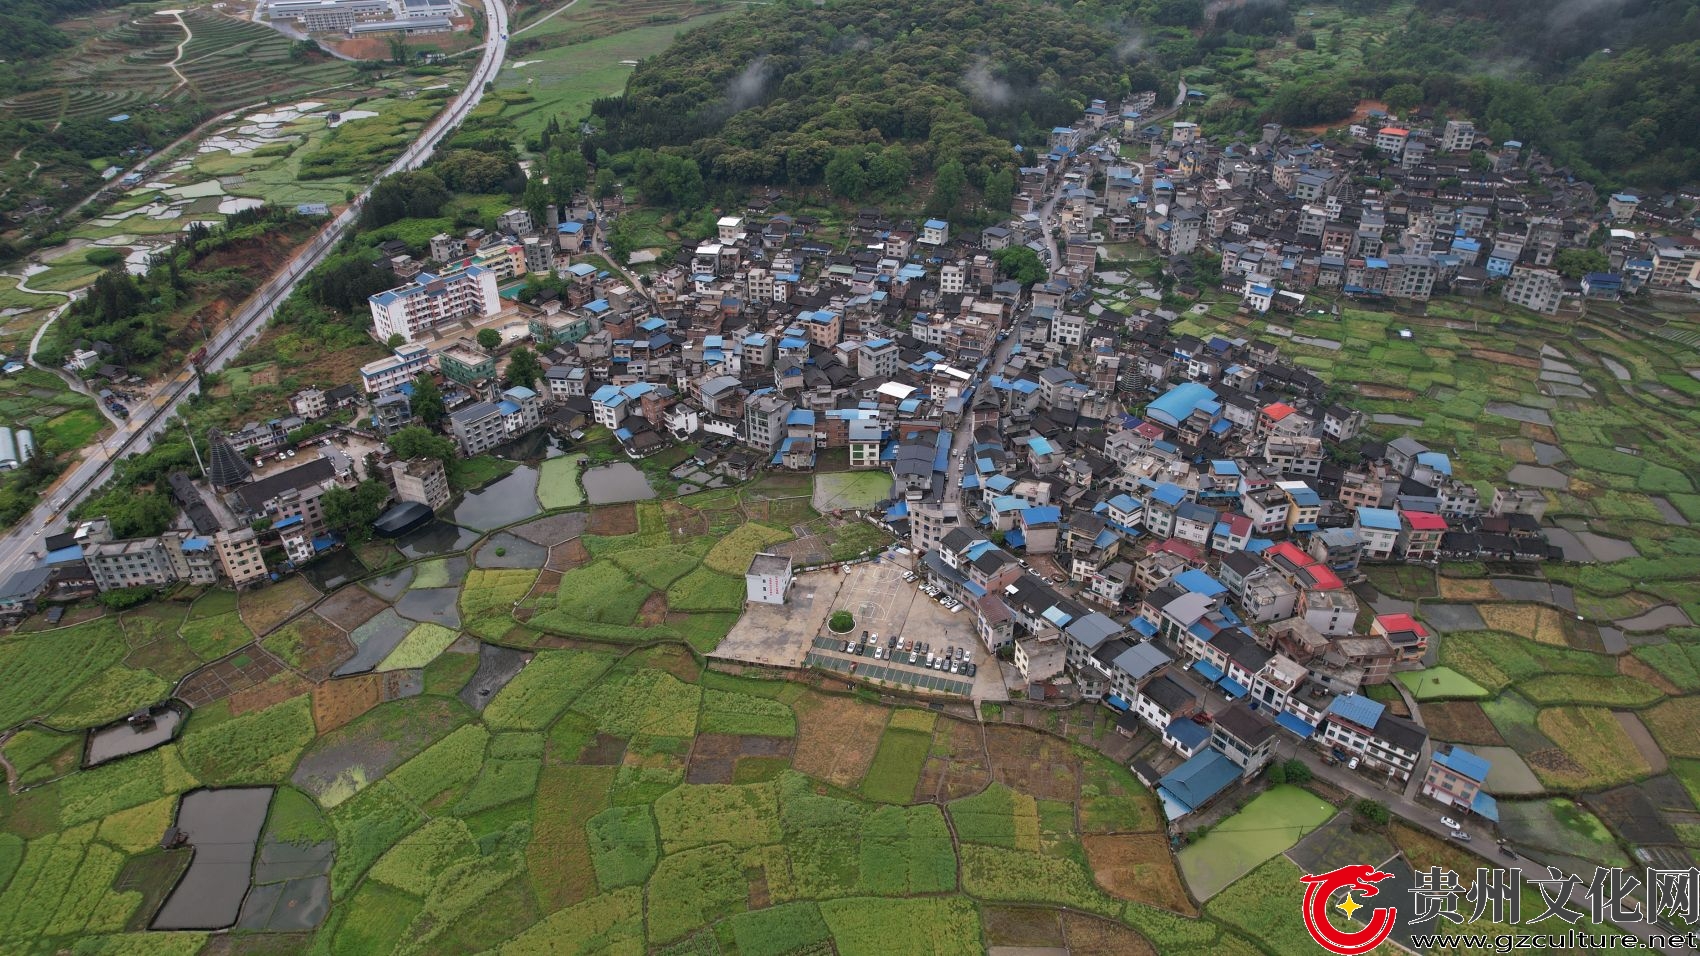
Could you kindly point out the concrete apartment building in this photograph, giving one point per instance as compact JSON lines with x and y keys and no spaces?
{"x":432,"y":300}
{"x":423,"y":480}
{"x":239,"y":552}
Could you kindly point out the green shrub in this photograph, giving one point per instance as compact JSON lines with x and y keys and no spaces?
{"x":624,"y":846}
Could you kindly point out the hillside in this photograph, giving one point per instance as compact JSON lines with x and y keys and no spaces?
{"x":767,"y":97}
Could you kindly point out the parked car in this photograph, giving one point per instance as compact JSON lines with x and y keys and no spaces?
{"x":912,"y":657}
{"x":973,"y":669}
{"x":1460,"y":836}
{"x":1352,"y":764}
{"x":1450,"y":823}
{"x":846,"y":647}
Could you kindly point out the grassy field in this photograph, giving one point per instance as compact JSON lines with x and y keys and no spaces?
{"x":1267,"y":825}
{"x":571,"y":60}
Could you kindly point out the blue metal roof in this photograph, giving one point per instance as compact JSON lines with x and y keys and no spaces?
{"x":1358,"y":709}
{"x":1233,"y":688}
{"x":1381,"y":519}
{"x":1187,"y":732}
{"x":1197,"y":781}
{"x":1207,"y":670}
{"x":1037,"y":516}
{"x":1485,"y":806}
{"x":1464,"y":763}
{"x":1179,"y":402}
{"x":1295,"y":725}
{"x":1199,"y":582}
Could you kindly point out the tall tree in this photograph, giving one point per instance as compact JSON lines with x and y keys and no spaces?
{"x":523,"y":368}
{"x":427,"y":401}
{"x":1000,"y":191}
{"x":948,"y":184}
{"x":489,"y":339}
{"x":417,"y":442}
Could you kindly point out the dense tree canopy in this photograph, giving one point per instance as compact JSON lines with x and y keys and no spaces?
{"x":765,"y":98}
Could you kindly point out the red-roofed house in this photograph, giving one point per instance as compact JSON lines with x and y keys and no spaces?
{"x":1271,"y":415}
{"x":1404,"y":633}
{"x":1391,"y":140}
{"x":1419,"y":535}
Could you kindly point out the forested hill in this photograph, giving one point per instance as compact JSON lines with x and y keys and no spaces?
{"x":768,"y":97}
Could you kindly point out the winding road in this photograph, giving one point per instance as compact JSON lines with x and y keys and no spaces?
{"x":20,"y":547}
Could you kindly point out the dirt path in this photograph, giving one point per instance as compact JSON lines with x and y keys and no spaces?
{"x":547,"y":16}
{"x":188,"y":35}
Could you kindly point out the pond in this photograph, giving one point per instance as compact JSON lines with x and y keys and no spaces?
{"x":503,"y":501}
{"x":438,"y":537}
{"x":1520,"y":413}
{"x":223,"y":827}
{"x":122,"y":739}
{"x":620,"y":481}
{"x":334,"y":570}
{"x":496,"y":666}
{"x":1538,"y":477}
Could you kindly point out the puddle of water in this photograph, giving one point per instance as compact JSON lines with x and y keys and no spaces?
{"x":1607,"y":549}
{"x":1572,"y":546}
{"x":390,"y":586}
{"x":121,"y":739}
{"x":1669,"y":512}
{"x":333,"y":570}
{"x":620,"y":481}
{"x":1520,"y":413}
{"x":373,"y":642}
{"x":1536,"y":476}
{"x":501,"y":502}
{"x":496,"y":666}
{"x":438,"y":537}
{"x":223,"y":826}
{"x":1658,"y":619}
{"x":1617,"y":368}
{"x":1385,"y":419}
{"x":1546,"y":454}
{"x":430,"y":605}
{"x":516,"y":552}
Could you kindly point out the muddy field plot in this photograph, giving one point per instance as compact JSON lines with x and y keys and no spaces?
{"x":334,"y":767}
{"x":1033,"y":763}
{"x":565,"y":557}
{"x":1632,"y":815}
{"x":266,"y":608}
{"x":715,"y":757}
{"x":313,"y":645}
{"x":349,"y":608}
{"x":275,"y":691}
{"x":555,"y":529}
{"x":338,"y":702}
{"x":1462,"y":722}
{"x":1091,"y":936}
{"x":1138,"y":867}
{"x":613,"y":520}
{"x":604,"y":750}
{"x":957,"y":766}
{"x":248,"y":667}
{"x":837,"y":737}
{"x":807,"y":551}
{"x":1021,"y":926}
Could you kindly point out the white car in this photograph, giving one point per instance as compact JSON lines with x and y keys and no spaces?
{"x":1450,"y":823}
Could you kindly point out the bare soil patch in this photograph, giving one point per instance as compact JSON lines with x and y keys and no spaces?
{"x":265,"y":608}
{"x":336,"y":702}
{"x":1461,"y":721}
{"x":1467,"y":589}
{"x":1091,"y":936}
{"x":1139,"y":867}
{"x":1506,"y":358}
{"x":323,"y":646}
{"x":350,"y":607}
{"x":671,"y":658}
{"x":606,"y":750}
{"x":654,"y":610}
{"x":1643,"y":741}
{"x":837,"y":737}
{"x":250,"y":666}
{"x":1372,"y":390}
{"x":611,"y":520}
{"x":1630,"y":813}
{"x":565,"y":557}
{"x":963,"y":772}
{"x":1034,"y":763}
{"x":713,"y":759}
{"x":275,"y":691}
{"x":690,"y":520}
{"x":555,"y":529}
{"x":1540,"y":433}
{"x":1631,"y":666}
{"x":1021,"y":926}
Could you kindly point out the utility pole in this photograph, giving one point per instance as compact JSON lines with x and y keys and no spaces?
{"x":197,"y":451}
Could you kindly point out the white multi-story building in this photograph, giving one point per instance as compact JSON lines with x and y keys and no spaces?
{"x":431,"y":300}
{"x":404,"y":366}
{"x":1538,"y":289}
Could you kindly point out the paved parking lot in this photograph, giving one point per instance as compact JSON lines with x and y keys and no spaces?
{"x":882,"y":603}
